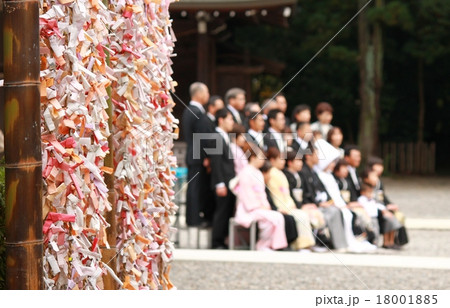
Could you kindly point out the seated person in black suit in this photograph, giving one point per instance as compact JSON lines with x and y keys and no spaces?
{"x":352,"y":156}
{"x":293,"y":167}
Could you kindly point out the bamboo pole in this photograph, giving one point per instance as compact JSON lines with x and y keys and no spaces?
{"x":24,"y":239}
{"x":109,"y":254}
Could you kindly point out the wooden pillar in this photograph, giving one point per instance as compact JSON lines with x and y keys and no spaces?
{"x":24,"y":238}
{"x":2,"y":125}
{"x":213,"y":68}
{"x":203,"y":50}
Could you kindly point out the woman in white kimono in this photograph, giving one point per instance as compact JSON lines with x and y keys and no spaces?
{"x":252,"y":204}
{"x":327,"y":156}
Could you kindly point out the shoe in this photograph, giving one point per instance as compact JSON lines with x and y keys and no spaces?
{"x":319,"y":249}
{"x":205,"y":225}
{"x":220,"y":247}
{"x":285,"y":249}
{"x":340,"y":250}
{"x":304,"y":251}
{"x":394,"y":247}
{"x":362,"y":247}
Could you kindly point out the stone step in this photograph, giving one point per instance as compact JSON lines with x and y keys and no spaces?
{"x":274,"y":257}
{"x":427,"y":224}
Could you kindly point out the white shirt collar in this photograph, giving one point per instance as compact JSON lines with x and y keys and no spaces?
{"x":235,"y":113}
{"x":232,"y":109}
{"x":224,"y":134}
{"x":303,"y":144}
{"x":332,"y":188}
{"x":198,"y":105}
{"x":353,"y":175}
{"x":211,"y":117}
{"x":278,"y":138}
{"x":259,"y":136}
{"x":254,"y":133}
{"x":273,"y":131}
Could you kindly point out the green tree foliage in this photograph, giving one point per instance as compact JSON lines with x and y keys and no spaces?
{"x":332,"y":75}
{"x":417,"y":33}
{"x":412,"y":31}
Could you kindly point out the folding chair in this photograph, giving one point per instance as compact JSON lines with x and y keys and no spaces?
{"x":234,"y":227}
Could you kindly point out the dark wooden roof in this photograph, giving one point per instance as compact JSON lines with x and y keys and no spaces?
{"x":228,"y":5}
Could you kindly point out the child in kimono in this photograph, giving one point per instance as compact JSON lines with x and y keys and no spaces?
{"x":390,"y":223}
{"x":252,"y":204}
{"x":376,"y":164}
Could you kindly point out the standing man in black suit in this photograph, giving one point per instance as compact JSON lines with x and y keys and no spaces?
{"x":193,"y":122}
{"x":353,"y":157}
{"x":255,"y":133}
{"x":235,"y":101}
{"x":215,"y":103}
{"x":274,"y":136}
{"x":282,"y":104}
{"x":222,"y":171}
{"x":302,"y":142}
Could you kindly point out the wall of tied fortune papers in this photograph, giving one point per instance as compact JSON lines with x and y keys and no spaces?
{"x":88,"y":49}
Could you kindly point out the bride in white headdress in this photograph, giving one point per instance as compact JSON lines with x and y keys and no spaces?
{"x":327,"y":157}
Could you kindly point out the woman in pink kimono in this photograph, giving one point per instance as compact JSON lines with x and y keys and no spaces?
{"x":237,"y":146}
{"x":252,"y":204}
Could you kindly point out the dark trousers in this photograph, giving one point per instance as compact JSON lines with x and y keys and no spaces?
{"x":209,"y":203}
{"x":224,"y":210}
{"x":290,"y":227}
{"x":197,"y":189}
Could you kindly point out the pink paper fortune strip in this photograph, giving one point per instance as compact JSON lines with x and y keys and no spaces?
{"x":74,"y":135}
{"x":143,"y":130}
{"x":74,"y":77}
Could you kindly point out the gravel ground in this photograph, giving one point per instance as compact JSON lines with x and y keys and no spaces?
{"x":192,"y":275}
{"x":424,"y":243}
{"x":420,"y":197}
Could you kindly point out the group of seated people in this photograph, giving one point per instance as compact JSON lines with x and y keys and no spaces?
{"x":293,"y":179}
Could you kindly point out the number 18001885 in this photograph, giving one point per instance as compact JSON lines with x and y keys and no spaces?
{"x":407,"y":299}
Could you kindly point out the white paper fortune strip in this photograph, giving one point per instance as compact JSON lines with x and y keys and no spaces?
{"x":75,"y":38}
{"x":143,"y":131}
